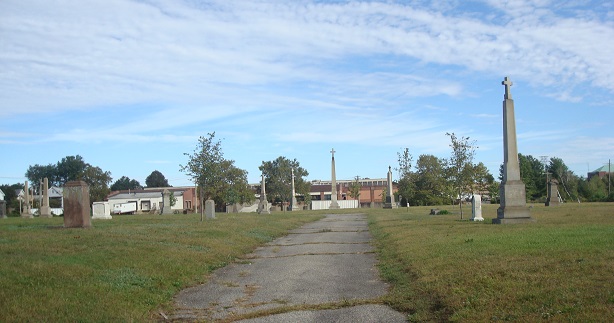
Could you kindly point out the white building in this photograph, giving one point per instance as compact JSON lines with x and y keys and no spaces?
{"x":146,"y":200}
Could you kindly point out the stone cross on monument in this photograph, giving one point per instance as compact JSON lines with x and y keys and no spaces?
{"x":26,"y":212}
{"x":263,"y":206}
{"x":513,"y":207}
{"x":333,"y":195}
{"x":294,"y":203}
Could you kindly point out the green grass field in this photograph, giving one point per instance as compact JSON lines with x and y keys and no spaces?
{"x":560,"y":268}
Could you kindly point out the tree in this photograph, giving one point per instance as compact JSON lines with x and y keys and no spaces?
{"x":531,"y":173}
{"x":354,"y":189}
{"x":37,"y":173}
{"x":431,"y":184}
{"x":11,"y":197}
{"x":156,"y":179}
{"x":405,"y":185}
{"x":73,"y":168}
{"x":482,"y":179}
{"x":565,"y":177}
{"x":125,"y":183}
{"x":98,"y":181}
{"x":70,"y":168}
{"x":217,"y":178}
{"x":461,"y":165}
{"x":278,"y":179}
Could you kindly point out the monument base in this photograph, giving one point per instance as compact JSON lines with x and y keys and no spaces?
{"x":264,"y":208}
{"x":390,"y":203}
{"x":102,"y":217}
{"x":27,"y":215}
{"x":477,"y":219}
{"x":513,"y":215}
{"x":334,"y":206}
{"x":45,"y":212}
{"x":553,"y":202}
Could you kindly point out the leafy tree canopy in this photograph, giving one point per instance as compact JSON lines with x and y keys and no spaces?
{"x":156,"y":179}
{"x":125,"y":183}
{"x":216,"y":177}
{"x":278,"y":174}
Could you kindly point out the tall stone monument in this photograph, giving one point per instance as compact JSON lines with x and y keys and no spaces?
{"x":476,"y":208}
{"x":293,"y":203}
{"x":263,"y":206}
{"x":390,"y":204}
{"x":553,"y":193}
{"x":513,"y":207}
{"x":166,"y":200}
{"x":333,"y":185}
{"x":45,"y":210}
{"x":26,"y":211}
{"x":77,"y":205}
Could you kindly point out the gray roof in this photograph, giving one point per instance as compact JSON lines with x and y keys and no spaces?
{"x":140,"y":195}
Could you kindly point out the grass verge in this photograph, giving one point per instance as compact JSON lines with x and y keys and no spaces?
{"x":121,"y":269}
{"x":445,"y":269}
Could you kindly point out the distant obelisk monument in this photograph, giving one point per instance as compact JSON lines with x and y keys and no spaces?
{"x":26,"y":212}
{"x":333,"y":194}
{"x":263,"y":206}
{"x":294,"y":203}
{"x":45,"y":210}
{"x":513,"y":207}
{"x":390,"y":204}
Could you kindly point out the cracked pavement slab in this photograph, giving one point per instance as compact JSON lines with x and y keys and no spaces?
{"x":329,"y":261}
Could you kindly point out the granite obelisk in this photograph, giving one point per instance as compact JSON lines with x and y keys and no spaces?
{"x":333,"y":194}
{"x":513,"y":207}
{"x":390,"y":204}
{"x":45,"y":210}
{"x":263,"y":206}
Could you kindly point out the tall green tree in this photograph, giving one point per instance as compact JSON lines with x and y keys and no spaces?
{"x":482,"y":178}
{"x":156,"y":179}
{"x":405,"y":184}
{"x":278,"y":174}
{"x":532,"y":175}
{"x":354,"y":189}
{"x":460,"y":165}
{"x":70,"y":168}
{"x":125,"y":183}
{"x":217,"y":178}
{"x":431,"y":184}
{"x":37,"y":173}
{"x":98,"y":181}
{"x":73,"y":168}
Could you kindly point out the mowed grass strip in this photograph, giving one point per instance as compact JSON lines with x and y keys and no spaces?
{"x":441,"y":268}
{"x":123,"y":269}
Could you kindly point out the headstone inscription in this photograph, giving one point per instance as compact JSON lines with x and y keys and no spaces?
{"x":333,"y":194}
{"x":513,"y":206}
{"x":476,"y":208}
{"x":77,"y":205}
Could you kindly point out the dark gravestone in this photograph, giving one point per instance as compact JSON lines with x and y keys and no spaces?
{"x":77,"y":205}
{"x":2,"y":209}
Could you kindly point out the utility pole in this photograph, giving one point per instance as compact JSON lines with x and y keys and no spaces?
{"x":609,"y":174}
{"x":544,"y":160}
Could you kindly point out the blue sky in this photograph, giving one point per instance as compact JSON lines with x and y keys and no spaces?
{"x":131,"y":85}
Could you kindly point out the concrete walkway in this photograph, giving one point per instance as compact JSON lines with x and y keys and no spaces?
{"x":325,"y":262}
